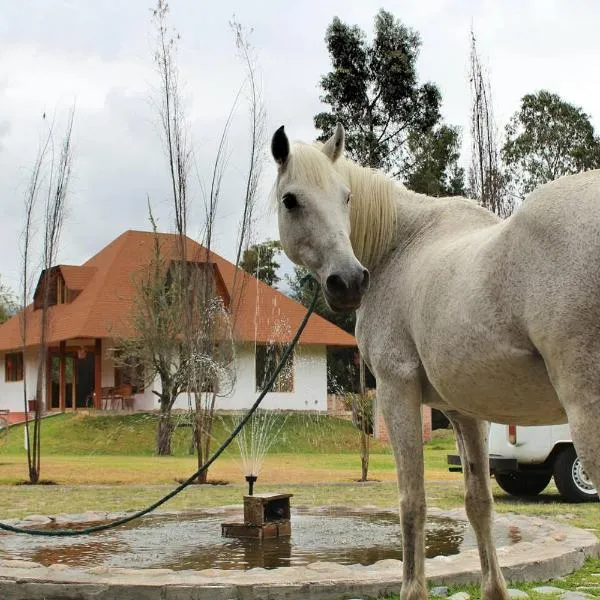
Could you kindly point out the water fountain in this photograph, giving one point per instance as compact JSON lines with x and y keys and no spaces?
{"x":265,"y":516}
{"x":351,"y":552}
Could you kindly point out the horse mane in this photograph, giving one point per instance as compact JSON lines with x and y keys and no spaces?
{"x":373,"y":207}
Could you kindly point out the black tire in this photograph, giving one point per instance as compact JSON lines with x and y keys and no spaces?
{"x":570,"y":478}
{"x":523,"y":484}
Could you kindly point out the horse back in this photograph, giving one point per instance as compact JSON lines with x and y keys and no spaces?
{"x":485,"y":305}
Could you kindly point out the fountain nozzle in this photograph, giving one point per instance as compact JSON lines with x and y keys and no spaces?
{"x":251,"y":479}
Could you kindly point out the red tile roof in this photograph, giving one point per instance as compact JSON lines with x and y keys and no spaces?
{"x":103,"y":307}
{"x":76,"y":278}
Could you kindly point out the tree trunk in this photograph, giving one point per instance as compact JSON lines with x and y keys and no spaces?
{"x":198,"y":433}
{"x":164,"y":431}
{"x":203,"y":425}
{"x":34,"y":442}
{"x":364,"y":452}
{"x":208,"y":425}
{"x":364,"y":428}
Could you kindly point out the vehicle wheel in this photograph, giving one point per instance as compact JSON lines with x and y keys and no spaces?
{"x":523,"y":484}
{"x":571,"y":479}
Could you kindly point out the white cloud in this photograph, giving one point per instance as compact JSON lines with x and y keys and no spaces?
{"x":99,"y":55}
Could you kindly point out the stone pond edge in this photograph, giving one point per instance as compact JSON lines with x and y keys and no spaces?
{"x":556,"y":550}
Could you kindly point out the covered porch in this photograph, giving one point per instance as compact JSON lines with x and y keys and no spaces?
{"x":81,"y":375}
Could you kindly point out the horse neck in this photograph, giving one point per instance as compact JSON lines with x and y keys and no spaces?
{"x":384,"y":214}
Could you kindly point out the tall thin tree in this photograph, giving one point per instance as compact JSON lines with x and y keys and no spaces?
{"x":183,"y":333}
{"x":59,"y":173}
{"x":257,"y":137}
{"x":485,"y":173}
{"x":30,"y":201}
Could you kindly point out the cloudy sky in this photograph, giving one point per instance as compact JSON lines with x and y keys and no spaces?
{"x":99,"y":56}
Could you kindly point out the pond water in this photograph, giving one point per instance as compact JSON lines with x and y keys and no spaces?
{"x":193,"y":541}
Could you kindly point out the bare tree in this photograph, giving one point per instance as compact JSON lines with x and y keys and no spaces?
{"x":203,"y":359}
{"x":183,"y":330}
{"x":212,"y":373}
{"x":31,"y":196}
{"x":217,"y":377}
{"x":486,"y":181}
{"x":257,"y":130}
{"x":154,"y":348}
{"x":170,"y":319}
{"x":59,"y":173}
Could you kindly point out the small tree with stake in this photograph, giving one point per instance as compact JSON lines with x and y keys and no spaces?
{"x":361,"y":405}
{"x":52,"y":173}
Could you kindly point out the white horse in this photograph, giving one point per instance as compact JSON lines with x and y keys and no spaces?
{"x":484,"y":319}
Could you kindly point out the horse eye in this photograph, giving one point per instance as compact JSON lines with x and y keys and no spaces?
{"x":348,"y":198}
{"x":290,"y":201}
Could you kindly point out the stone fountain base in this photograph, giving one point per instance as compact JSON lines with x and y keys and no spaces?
{"x":265,"y":516}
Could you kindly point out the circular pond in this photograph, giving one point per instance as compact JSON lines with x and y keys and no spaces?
{"x":192,"y":540}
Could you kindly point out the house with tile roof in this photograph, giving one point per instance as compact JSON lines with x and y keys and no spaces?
{"x":91,"y":307}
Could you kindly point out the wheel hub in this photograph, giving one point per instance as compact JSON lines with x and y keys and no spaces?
{"x":581,"y":478}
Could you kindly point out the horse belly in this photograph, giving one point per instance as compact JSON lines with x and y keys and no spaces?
{"x":518,"y":392}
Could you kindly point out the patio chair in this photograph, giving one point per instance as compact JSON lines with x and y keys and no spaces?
{"x":123,"y":394}
{"x":106,"y":398}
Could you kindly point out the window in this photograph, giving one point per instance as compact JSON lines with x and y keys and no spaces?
{"x":51,"y":289}
{"x":62,"y":292}
{"x":267,"y":359}
{"x":13,"y":367}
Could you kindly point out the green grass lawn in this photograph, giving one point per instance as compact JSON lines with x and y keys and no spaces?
{"x":134,"y":435}
{"x":118,"y":449}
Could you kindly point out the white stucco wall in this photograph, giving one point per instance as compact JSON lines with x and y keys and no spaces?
{"x":11,"y":392}
{"x":310,"y":384}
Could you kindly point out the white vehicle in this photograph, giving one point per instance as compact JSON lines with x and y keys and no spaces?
{"x":524,"y":459}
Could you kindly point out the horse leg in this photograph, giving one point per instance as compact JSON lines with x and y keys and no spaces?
{"x":401,"y":406}
{"x":572,"y":363}
{"x":471,"y":436}
{"x":584,"y":416}
{"x":579,"y":393}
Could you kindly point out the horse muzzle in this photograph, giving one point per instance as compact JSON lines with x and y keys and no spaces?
{"x":344,"y":291}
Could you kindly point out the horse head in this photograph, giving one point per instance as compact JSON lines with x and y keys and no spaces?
{"x":313,"y":208}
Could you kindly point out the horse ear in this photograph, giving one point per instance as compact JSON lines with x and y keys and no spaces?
{"x":280,"y":146}
{"x":334,"y":146}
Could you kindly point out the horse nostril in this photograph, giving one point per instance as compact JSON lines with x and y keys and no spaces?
{"x":364,"y":286}
{"x":335,"y":284}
